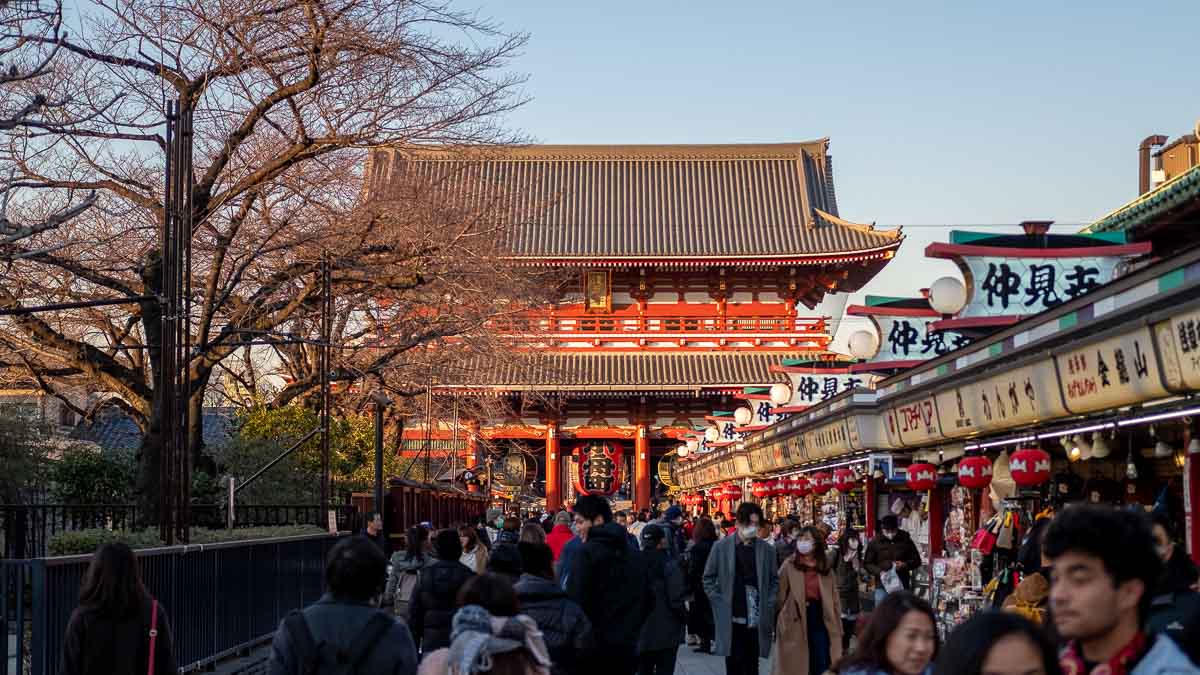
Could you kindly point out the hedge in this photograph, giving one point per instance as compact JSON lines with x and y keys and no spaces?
{"x":87,"y":541}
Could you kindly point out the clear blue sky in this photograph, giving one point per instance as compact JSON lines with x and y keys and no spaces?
{"x":939,"y":113}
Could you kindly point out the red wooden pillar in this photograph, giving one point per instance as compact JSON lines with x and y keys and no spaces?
{"x":870,"y":507}
{"x":641,"y":468}
{"x":472,"y":459}
{"x":937,"y":514}
{"x":553,"y":477}
{"x":1191,"y":498}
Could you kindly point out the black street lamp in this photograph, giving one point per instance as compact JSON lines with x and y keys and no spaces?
{"x":381,"y":402}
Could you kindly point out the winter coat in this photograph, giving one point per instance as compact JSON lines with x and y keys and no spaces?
{"x":1030,"y":599}
{"x":434,"y":602}
{"x":101,"y":645}
{"x":791,"y":624}
{"x":401,"y":564}
{"x":1164,"y":658}
{"x":784,"y":547}
{"x":338,"y":621}
{"x":700,"y":617}
{"x":558,"y":538}
{"x":718,"y":585}
{"x":610,"y":582}
{"x":564,"y":626}
{"x":1179,"y":573}
{"x":665,"y":627}
{"x":675,"y":542}
{"x":847,"y":585}
{"x":1172,"y":614}
{"x":881,"y":553}
{"x":476,"y":560}
{"x":566,"y":561}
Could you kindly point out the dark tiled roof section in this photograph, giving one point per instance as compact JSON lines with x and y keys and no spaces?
{"x":645,"y":201}
{"x":628,"y":370}
{"x":111,"y":429}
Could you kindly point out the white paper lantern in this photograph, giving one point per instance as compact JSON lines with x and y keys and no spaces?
{"x":947,"y":295}
{"x":743,"y":416}
{"x":712,"y":433}
{"x":693,"y":445}
{"x":1100,"y":447}
{"x":682,"y":450}
{"x":780,"y":393}
{"x":863,"y":344}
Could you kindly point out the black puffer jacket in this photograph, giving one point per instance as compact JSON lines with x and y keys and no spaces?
{"x":433,"y":605}
{"x":882,"y":552}
{"x":609,"y":581}
{"x":564,"y":626}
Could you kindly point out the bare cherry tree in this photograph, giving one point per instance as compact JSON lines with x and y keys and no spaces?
{"x":287,"y":96}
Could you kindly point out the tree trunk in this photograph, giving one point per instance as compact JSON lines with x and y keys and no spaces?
{"x":149,"y":456}
{"x":201,"y":461}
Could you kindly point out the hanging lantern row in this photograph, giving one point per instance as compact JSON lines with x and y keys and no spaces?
{"x":1030,"y":466}
{"x":822,"y":482}
{"x":844,"y":479}
{"x":975,"y":472}
{"x":732,"y":492}
{"x":922,"y":476}
{"x":760,"y":489}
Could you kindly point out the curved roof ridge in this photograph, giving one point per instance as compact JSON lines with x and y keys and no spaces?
{"x":625,"y":152}
{"x":861,"y":227}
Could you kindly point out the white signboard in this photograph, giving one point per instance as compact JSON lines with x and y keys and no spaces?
{"x":1179,"y":345}
{"x":1015,"y":397}
{"x":917,"y":422}
{"x":1009,"y":286}
{"x":812,"y":388}
{"x":909,"y":338}
{"x":1110,"y":373}
{"x":827,"y":440}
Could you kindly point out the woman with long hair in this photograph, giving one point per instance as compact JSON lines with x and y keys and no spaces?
{"x":488,"y":636}
{"x":998,"y":642}
{"x":900,"y":639}
{"x":118,"y":625}
{"x":700,"y":616}
{"x":406,"y":568}
{"x":848,"y":568}
{"x":808,"y":624}
{"x":475,"y":554}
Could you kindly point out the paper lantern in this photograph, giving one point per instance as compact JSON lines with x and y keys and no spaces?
{"x":732,"y":492}
{"x":947,"y":295}
{"x":743,"y":416}
{"x":799,"y":486}
{"x":716,"y":494}
{"x":843,"y":480}
{"x":1030,"y":466}
{"x":922,"y":476}
{"x":975,"y":472}
{"x":821,"y":482}
{"x":780,"y":393}
{"x":772,"y":486}
{"x":760,"y":489}
{"x":863,"y":344}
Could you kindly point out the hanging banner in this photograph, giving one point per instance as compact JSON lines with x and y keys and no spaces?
{"x":812,"y":388}
{"x":1015,"y":397}
{"x":1005,"y":286}
{"x":1118,"y":371}
{"x":906,"y":338}
{"x":916,"y":422}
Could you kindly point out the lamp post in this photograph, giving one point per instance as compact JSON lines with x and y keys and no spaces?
{"x":381,"y":401}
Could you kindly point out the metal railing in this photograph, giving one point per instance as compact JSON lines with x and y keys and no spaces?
{"x":26,"y":529}
{"x":625,"y":324}
{"x":220,"y":599}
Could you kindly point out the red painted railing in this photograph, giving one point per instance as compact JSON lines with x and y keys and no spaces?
{"x":606,"y":324}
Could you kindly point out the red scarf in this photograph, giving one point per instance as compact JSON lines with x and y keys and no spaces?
{"x":1072,"y":661}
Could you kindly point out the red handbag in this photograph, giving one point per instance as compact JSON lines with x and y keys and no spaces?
{"x":153,"y":635}
{"x":984,"y":541}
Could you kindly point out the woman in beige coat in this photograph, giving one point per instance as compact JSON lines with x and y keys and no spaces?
{"x":808,"y":623}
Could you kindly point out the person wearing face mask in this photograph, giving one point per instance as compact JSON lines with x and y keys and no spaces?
{"x":741,"y":581}
{"x":808,"y":624}
{"x":892,"y":549}
{"x":1174,"y":603}
{"x":848,"y":566}
{"x":785,"y":544}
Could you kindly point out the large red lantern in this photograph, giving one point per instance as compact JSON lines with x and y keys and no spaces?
{"x":1029,"y":466}
{"x":732,"y":492}
{"x":975,"y":472}
{"x":922,"y":476}
{"x":760,"y":489}
{"x":799,"y":486}
{"x":822,"y":482}
{"x":716,"y":494}
{"x":599,"y":468}
{"x":775,"y":487}
{"x":843,"y":480}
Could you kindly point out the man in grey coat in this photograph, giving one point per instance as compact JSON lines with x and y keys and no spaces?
{"x":741,"y":581}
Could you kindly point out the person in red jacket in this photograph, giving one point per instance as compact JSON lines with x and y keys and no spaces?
{"x":560,"y":534}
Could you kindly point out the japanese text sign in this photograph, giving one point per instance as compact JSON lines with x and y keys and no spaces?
{"x":1113,"y":372}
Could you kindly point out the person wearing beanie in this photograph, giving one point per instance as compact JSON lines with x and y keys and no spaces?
{"x":892,"y":549}
{"x":672,"y":524}
{"x":483,"y":643}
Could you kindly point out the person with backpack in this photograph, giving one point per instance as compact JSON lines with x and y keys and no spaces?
{"x":433,"y":603}
{"x":118,"y":627}
{"x":564,"y":626}
{"x":406,"y":570}
{"x":345,"y":632}
{"x":663,"y":631}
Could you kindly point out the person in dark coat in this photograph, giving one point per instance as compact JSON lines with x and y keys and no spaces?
{"x":700,"y":617}
{"x":672,"y":526}
{"x":564,"y":626}
{"x":108,"y":633}
{"x":1174,"y":603}
{"x":346,"y":619}
{"x":609,"y":581}
{"x":848,"y":565}
{"x":893,"y":547}
{"x":433,"y":604}
{"x":662,"y":633}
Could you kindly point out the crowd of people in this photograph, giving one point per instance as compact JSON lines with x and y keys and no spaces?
{"x":593,"y":592}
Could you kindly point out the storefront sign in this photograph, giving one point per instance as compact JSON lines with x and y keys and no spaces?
{"x":827,"y":440}
{"x":1111,"y":373}
{"x":906,"y":338}
{"x":916,"y":422}
{"x":1013,"y":398}
{"x":1179,"y":345}
{"x":1008,"y":286}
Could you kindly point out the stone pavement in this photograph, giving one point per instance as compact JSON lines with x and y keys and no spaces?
{"x":691,"y":663}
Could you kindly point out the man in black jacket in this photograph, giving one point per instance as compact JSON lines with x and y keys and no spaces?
{"x":564,"y":626}
{"x":346,"y":621}
{"x":434,"y":602}
{"x":892,"y":548}
{"x":609,"y":581}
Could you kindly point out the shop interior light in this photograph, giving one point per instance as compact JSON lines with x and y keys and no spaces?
{"x":1180,"y":460}
{"x":1194,"y":447}
{"x":1073,"y":451}
{"x":1100,"y":448}
{"x":1074,"y":430}
{"x":1158,"y":417}
{"x":1162,"y":450}
{"x":1131,"y":471}
{"x":1085,"y":448}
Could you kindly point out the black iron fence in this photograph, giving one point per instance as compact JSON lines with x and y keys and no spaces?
{"x":221,"y":599}
{"x":26,"y":529}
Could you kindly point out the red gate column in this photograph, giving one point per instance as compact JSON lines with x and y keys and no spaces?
{"x":472,"y":458}
{"x":1191,"y":497}
{"x":937,"y":513}
{"x":553,"y":478}
{"x":641,"y":468}
{"x":872,"y":489}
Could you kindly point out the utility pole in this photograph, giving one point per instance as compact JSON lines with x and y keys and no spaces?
{"x":381,"y":402}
